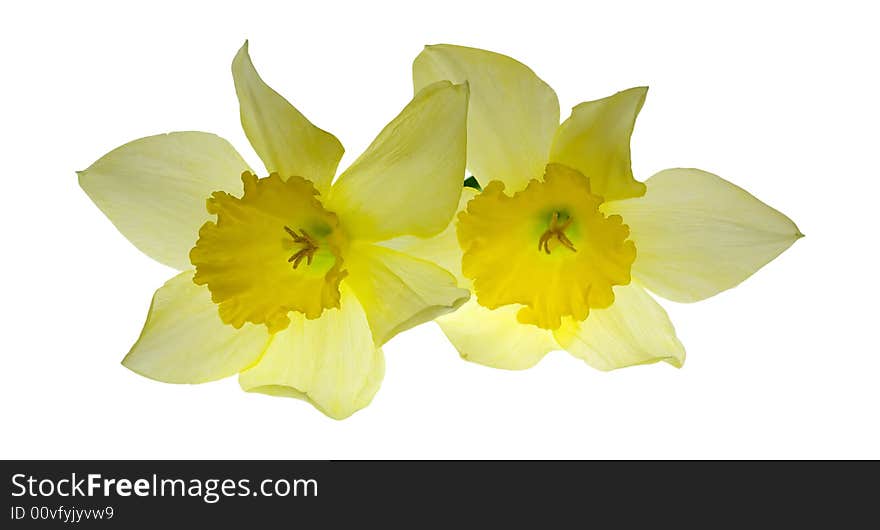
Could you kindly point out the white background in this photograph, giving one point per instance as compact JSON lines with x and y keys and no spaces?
{"x":779,"y":98}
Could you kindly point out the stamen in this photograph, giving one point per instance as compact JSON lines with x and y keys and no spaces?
{"x":556,"y":230}
{"x":307,"y":252}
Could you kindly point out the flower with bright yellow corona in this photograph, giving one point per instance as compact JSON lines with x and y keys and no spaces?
{"x":285,"y":279}
{"x":562,"y":242}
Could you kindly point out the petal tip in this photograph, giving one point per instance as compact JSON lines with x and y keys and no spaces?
{"x":130,"y":364}
{"x":641,"y":94}
{"x":243,"y":54}
{"x":676,"y":362}
{"x":80,"y":176}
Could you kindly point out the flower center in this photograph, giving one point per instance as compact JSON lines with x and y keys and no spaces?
{"x":272,"y":251}
{"x":556,"y":230}
{"x":581,"y":253}
{"x":309,"y":246}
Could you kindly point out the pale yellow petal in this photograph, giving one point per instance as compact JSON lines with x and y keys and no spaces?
{"x":285,"y":140}
{"x":442,"y":249}
{"x":409,"y":179}
{"x":495,"y":338}
{"x":513,"y":113}
{"x":154,"y":189}
{"x":330,"y":362}
{"x":697,"y":234}
{"x":399,"y":291}
{"x":634,"y":330}
{"x":595,"y":141}
{"x":184,"y":340}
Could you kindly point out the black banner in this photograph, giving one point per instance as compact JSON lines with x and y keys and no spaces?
{"x":122,"y":494}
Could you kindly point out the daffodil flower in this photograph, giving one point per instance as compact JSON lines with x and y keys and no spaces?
{"x":562,"y":242}
{"x":284,"y":280}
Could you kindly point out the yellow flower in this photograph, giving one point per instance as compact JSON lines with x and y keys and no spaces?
{"x":285,"y":278}
{"x":562,"y":241}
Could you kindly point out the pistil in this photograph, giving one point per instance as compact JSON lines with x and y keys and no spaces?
{"x":557,"y":231}
{"x":309,"y":247}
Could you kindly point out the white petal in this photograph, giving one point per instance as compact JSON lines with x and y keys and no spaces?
{"x":512,"y":117}
{"x":154,"y":189}
{"x":399,"y":291}
{"x":634,"y":330}
{"x":495,"y":338}
{"x":286,"y":141}
{"x":331,"y":361}
{"x":697,"y":234}
{"x":184,"y":340}
{"x":409,"y":179}
{"x":442,"y":249}
{"x":595,"y":141}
